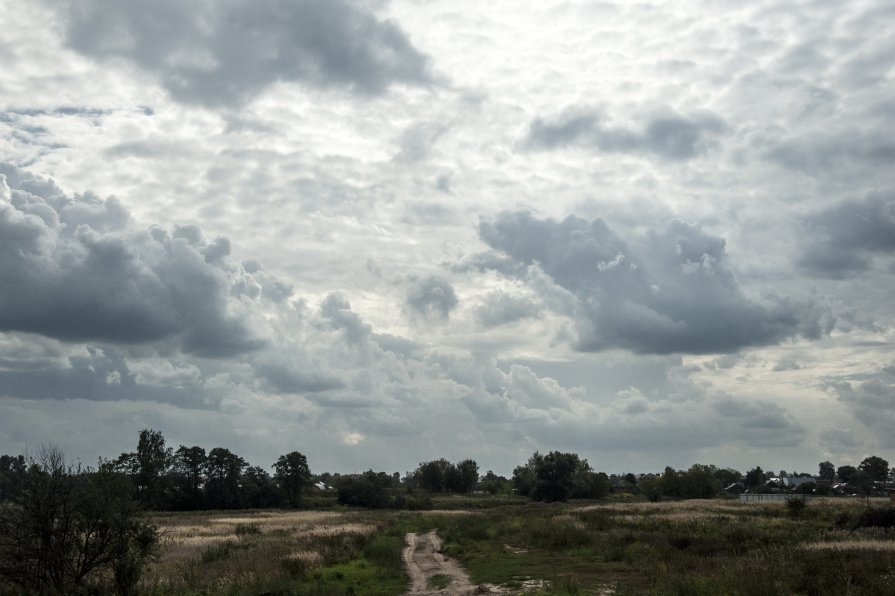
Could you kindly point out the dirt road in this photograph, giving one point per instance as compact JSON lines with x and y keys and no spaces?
{"x":432,"y":573}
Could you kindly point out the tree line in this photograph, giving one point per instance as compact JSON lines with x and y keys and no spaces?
{"x":191,"y":478}
{"x":65,"y":529}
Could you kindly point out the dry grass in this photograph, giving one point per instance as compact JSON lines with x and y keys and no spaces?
{"x":846,"y":545}
{"x":235,"y":550}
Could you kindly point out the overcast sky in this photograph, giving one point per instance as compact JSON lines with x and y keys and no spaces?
{"x":382,"y":232}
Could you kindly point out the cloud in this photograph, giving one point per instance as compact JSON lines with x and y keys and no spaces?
{"x":499,"y":308}
{"x":431,"y":298}
{"x":672,"y":291}
{"x":872,"y":402}
{"x":848,"y":236}
{"x":105,"y":375}
{"x":225,"y":53}
{"x":668,"y":135}
{"x":77,"y":269}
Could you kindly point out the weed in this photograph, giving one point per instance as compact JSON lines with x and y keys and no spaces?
{"x":439,"y":582}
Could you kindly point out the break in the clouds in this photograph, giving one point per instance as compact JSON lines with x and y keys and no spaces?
{"x":76,"y":269}
{"x":672,"y":291}
{"x":665,"y":134}
{"x":225,"y":53}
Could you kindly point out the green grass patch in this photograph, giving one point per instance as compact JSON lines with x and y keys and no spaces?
{"x":438,"y":582}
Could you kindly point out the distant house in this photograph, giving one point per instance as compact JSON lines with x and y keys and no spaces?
{"x":789,"y":482}
{"x":735,"y":489}
{"x":797,"y":481}
{"x":844,"y":488}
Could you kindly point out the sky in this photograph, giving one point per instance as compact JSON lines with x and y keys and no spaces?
{"x":383,"y":232}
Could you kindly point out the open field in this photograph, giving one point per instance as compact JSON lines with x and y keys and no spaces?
{"x":686,"y":547}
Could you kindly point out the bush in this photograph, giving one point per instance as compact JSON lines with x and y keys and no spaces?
{"x":365,"y":490}
{"x":795,"y":506}
{"x":70,"y":531}
{"x":877,"y":518}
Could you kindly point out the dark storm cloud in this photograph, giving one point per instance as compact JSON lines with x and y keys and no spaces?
{"x":431,"y":298}
{"x":670,"y":292}
{"x":848,"y":236}
{"x":668,"y":135}
{"x":224,"y":53}
{"x":98,"y":375}
{"x":76,"y":269}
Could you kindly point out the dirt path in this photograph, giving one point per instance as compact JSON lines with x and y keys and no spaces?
{"x":428,"y":568}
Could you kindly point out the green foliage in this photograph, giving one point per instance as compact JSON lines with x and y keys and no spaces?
{"x":845,"y":473}
{"x":496,"y":485}
{"x":440,"y":475}
{"x":826,"y":471}
{"x":12,"y":473}
{"x":795,"y":506}
{"x":439,"y":582}
{"x":651,"y":487}
{"x":222,"y":485}
{"x":876,"y":518}
{"x":755,"y":479}
{"x":875,"y":467}
{"x":69,"y":531}
{"x":365,"y":490}
{"x":292,"y":475}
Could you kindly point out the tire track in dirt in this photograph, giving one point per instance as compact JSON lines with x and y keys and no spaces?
{"x":424,"y":561}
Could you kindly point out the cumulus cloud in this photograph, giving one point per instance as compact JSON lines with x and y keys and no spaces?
{"x":105,"y":375}
{"x":499,"y":308}
{"x":871,"y":401}
{"x":673,"y":291}
{"x":847,"y":237}
{"x":225,"y":53}
{"x":431,"y":298}
{"x":668,"y":135}
{"x":77,"y":269}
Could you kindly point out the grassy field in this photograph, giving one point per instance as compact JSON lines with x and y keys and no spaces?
{"x":687,"y":547}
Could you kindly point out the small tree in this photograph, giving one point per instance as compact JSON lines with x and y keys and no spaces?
{"x":70,"y":530}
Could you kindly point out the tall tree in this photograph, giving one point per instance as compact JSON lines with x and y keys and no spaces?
{"x":826,"y":471}
{"x":153,"y":460}
{"x":468,"y":475}
{"x":258,"y":488}
{"x":222,"y":488}
{"x":12,"y":473}
{"x":556,"y":476}
{"x":875,"y":467}
{"x":188,"y":467}
{"x":433,"y":475}
{"x":524,"y":477}
{"x":755,"y":478}
{"x":845,"y":473}
{"x":292,"y":475}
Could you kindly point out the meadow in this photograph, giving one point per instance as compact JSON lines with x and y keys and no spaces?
{"x":610,"y":547}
